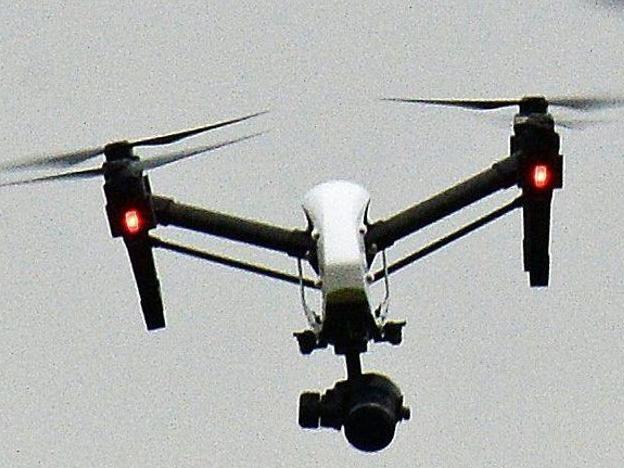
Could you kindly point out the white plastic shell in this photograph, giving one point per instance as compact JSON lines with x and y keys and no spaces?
{"x":337,"y":211}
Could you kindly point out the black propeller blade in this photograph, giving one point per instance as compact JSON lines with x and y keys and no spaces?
{"x":579,"y":124}
{"x":153,"y":163}
{"x":164,"y":159}
{"x":473,"y":104}
{"x":83,"y":174}
{"x":55,"y":160}
{"x":173,"y":137}
{"x":71,"y":158}
{"x":570,"y":123}
{"x":580,"y":103}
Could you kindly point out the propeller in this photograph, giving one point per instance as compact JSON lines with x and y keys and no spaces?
{"x":60,"y":160}
{"x":152,"y":163}
{"x":570,"y":123}
{"x":169,"y":158}
{"x":579,"y":103}
{"x":579,"y":124}
{"x":68,"y":159}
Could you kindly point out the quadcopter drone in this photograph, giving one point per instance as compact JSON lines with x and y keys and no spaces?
{"x":339,"y":242}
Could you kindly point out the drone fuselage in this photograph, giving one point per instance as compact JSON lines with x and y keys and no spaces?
{"x":337,"y":213}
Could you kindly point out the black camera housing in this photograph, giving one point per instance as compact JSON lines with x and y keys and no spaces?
{"x":368,"y":406}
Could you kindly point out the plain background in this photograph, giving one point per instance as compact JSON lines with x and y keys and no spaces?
{"x":496,"y":374}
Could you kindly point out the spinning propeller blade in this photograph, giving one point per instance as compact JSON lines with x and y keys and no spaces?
{"x":67,"y":159}
{"x":83,"y":174}
{"x":173,"y":137}
{"x":569,"y":123}
{"x":579,"y":124}
{"x":179,"y":155}
{"x":465,"y":103}
{"x":584,"y":104}
{"x":148,"y":164}
{"x":580,"y":103}
{"x":55,"y":160}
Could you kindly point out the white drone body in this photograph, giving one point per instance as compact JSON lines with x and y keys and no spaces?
{"x":337,"y":211}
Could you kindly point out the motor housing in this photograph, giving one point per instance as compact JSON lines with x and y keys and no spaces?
{"x":540,"y":172}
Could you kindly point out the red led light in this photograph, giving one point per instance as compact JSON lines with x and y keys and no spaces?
{"x":541,"y":176}
{"x":132,"y":221}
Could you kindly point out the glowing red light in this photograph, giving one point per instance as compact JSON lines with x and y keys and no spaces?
{"x":541,"y":176}
{"x":132,"y":221}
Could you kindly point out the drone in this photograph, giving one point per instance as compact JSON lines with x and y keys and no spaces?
{"x":339,"y":243}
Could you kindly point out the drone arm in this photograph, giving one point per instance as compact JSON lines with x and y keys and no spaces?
{"x":382,"y":234}
{"x":294,"y":242}
{"x":259,"y":270}
{"x":437,"y":245}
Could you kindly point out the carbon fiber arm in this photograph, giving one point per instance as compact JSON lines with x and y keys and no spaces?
{"x":294,"y":242}
{"x":382,"y":234}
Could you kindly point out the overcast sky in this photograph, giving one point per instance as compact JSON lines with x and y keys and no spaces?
{"x":497,"y":374}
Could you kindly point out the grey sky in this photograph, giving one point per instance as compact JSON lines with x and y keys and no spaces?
{"x":496,"y":374}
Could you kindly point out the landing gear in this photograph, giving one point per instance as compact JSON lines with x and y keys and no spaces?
{"x":391,"y":332}
{"x":309,"y":341}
